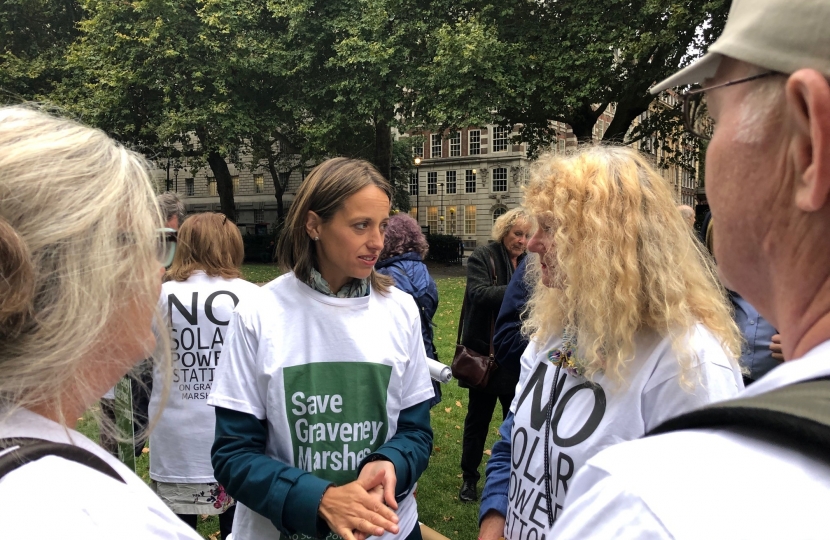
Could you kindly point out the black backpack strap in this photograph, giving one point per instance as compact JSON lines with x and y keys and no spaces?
{"x":799,"y":413}
{"x":16,"y":452}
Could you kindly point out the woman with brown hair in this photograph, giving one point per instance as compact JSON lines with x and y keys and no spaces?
{"x":322,"y":395}
{"x":202,"y":287}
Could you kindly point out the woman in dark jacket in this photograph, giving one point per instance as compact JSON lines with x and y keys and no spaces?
{"x":489,"y":270}
{"x":402,"y":259}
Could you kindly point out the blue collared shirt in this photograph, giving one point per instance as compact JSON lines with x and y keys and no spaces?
{"x":757,"y":333}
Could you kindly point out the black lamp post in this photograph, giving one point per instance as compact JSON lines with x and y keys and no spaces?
{"x":418,"y":190}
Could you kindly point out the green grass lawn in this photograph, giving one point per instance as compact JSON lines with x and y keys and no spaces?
{"x":438,"y":503}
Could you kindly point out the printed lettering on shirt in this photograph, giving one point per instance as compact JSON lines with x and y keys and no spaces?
{"x":527,"y":515}
{"x":333,"y":427}
{"x":195,"y":349}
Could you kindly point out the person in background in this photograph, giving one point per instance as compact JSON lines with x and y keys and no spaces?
{"x":688,"y":214}
{"x":508,"y":341}
{"x":489,"y":269}
{"x":628,"y":327}
{"x":79,"y":286}
{"x":402,"y":259}
{"x":173,"y":209}
{"x":202,"y":287}
{"x":765,"y":83}
{"x":322,"y":392}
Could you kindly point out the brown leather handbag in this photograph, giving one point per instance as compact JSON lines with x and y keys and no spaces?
{"x":468,"y":366}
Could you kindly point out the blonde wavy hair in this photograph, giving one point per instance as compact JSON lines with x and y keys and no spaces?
{"x":624,"y":260}
{"x":79,"y":248}
{"x":506,"y":221}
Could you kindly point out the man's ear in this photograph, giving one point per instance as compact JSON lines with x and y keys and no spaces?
{"x":808,"y":104}
{"x":312,"y":224}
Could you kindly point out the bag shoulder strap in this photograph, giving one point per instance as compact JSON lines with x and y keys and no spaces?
{"x":16,"y":452}
{"x":799,"y":413}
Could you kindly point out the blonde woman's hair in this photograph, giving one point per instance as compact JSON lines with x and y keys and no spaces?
{"x":324,"y":192}
{"x":78,"y":251}
{"x":624,"y":261}
{"x":208,"y":242}
{"x":506,"y":221}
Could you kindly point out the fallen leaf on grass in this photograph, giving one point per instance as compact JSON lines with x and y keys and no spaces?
{"x":458,"y":404}
{"x":204,"y":517}
{"x":145,"y":450}
{"x":458,"y":475}
{"x":457,"y":427}
{"x":447,"y":518}
{"x":488,"y":452}
{"x":448,"y":409}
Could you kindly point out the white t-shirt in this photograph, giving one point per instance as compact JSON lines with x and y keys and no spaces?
{"x":707,"y":483}
{"x":589,"y":417}
{"x":330,"y":375}
{"x":57,"y":498}
{"x":198,"y":311}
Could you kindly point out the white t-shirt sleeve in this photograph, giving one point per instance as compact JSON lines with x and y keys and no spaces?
{"x":236,"y":386}
{"x":713,"y":378}
{"x":598,"y":506}
{"x":417,"y":384}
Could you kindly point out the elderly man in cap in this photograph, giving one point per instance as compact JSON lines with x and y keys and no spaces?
{"x":764,"y":102}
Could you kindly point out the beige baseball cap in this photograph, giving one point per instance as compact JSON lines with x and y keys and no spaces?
{"x":779,"y":35}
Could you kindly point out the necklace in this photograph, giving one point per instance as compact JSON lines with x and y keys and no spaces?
{"x":565,"y":356}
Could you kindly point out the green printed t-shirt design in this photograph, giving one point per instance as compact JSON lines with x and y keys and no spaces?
{"x":337,"y":415}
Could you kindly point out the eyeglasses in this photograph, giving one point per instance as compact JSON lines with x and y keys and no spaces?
{"x":696,"y":112}
{"x":166,"y":246}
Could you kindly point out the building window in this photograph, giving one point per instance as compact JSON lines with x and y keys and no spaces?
{"x":451,"y":183}
{"x":432,"y":219}
{"x":432,"y":183}
{"x":475,"y":142}
{"x":498,"y":212}
{"x":413,"y":213}
{"x":259,"y":183}
{"x":455,"y":144}
{"x":499,"y":138}
{"x":435,"y":147}
{"x":451,"y":222}
{"x":418,"y":150}
{"x":470,"y":181}
{"x":189,"y":187}
{"x":500,"y":179}
{"x":470,"y":219}
{"x":413,"y":183}
{"x":235,"y":182}
{"x":259,"y":216}
{"x":212,"y":187}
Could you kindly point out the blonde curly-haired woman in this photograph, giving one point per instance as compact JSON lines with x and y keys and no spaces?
{"x":628,"y":327}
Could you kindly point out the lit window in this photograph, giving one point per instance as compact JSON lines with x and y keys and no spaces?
{"x":470,"y":181}
{"x":432,"y":219}
{"x":413,"y":212}
{"x":435,"y":147}
{"x":499,"y":139}
{"x":451,"y":182}
{"x":212,"y":191}
{"x":500,"y":179}
{"x":259,"y":183}
{"x":432,"y":183}
{"x":475,"y":142}
{"x":235,"y":182}
{"x":470,"y":219}
{"x":455,"y":144}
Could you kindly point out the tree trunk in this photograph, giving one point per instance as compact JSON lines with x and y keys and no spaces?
{"x":582,"y":122}
{"x":224,"y":184}
{"x":279,"y":189}
{"x":383,"y":149}
{"x":627,"y":111}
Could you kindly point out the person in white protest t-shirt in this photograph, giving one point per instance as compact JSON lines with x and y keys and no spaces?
{"x":628,"y":325}
{"x":322,"y":391}
{"x":81,"y":259}
{"x":765,"y":91}
{"x":201,"y":289}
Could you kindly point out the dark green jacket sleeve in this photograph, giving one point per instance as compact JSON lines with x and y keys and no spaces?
{"x":408,"y":449}
{"x":288,"y":496}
